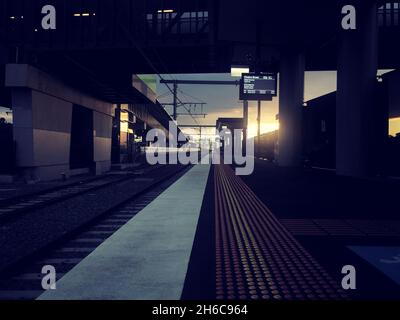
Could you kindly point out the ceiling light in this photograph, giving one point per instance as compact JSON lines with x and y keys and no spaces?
{"x":166,"y":11}
{"x":237,"y":71}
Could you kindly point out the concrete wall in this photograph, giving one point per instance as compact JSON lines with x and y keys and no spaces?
{"x":42,"y":108}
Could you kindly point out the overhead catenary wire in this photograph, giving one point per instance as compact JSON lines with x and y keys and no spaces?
{"x":152,"y":66}
{"x":191,"y":96}
{"x":163,"y":95}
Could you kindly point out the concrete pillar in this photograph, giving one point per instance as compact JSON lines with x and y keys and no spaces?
{"x":356,"y":84}
{"x":102,"y":126}
{"x":3,"y":62}
{"x":291,"y":95}
{"x":42,"y":134}
{"x":43,"y":110}
{"x":3,"y":54}
{"x":23,"y":127}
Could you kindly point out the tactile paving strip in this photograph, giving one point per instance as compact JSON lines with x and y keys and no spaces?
{"x":256,"y":257}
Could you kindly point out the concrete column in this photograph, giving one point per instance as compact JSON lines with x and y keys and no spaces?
{"x":3,"y":54}
{"x":42,"y":134}
{"x":356,"y":84}
{"x":42,"y":110}
{"x":291,"y":95}
{"x":23,"y":127}
{"x":3,"y":62}
{"x":102,"y":126}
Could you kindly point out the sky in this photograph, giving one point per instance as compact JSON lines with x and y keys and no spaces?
{"x":6,"y":114}
{"x":223,"y":101}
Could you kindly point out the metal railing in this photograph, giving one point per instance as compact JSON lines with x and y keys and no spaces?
{"x":101,"y":23}
{"x":389,"y":14}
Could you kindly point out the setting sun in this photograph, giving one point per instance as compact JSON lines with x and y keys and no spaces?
{"x":265,"y":128}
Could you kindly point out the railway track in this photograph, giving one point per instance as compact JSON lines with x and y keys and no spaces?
{"x":24,"y":281}
{"x":14,"y":207}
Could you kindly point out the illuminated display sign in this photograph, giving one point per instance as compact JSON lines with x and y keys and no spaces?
{"x":261,"y":86}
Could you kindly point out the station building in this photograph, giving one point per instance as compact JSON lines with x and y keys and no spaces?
{"x":55,"y":130}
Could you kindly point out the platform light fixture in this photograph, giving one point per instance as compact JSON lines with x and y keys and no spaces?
{"x":84,"y":14}
{"x":237,"y":71}
{"x":166,"y":11}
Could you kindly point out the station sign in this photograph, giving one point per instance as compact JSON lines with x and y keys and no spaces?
{"x":261,"y":86}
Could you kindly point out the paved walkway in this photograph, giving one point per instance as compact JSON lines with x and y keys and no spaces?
{"x":148,"y":257}
{"x":256,"y":257}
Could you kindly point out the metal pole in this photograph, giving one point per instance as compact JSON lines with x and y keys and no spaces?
{"x":116,"y":152}
{"x":258,"y":125}
{"x":175,"y":115}
{"x":245,"y":123}
{"x":259,"y":119}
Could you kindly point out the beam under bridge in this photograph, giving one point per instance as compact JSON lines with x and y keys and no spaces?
{"x":202,"y":82}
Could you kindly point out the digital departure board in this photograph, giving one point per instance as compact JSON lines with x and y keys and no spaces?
{"x":261,"y":86}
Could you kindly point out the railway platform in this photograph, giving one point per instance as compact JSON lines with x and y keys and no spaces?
{"x":160,"y":254}
{"x":279,"y":234}
{"x":148,"y":257}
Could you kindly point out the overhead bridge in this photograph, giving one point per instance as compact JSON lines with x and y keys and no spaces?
{"x":148,"y":35}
